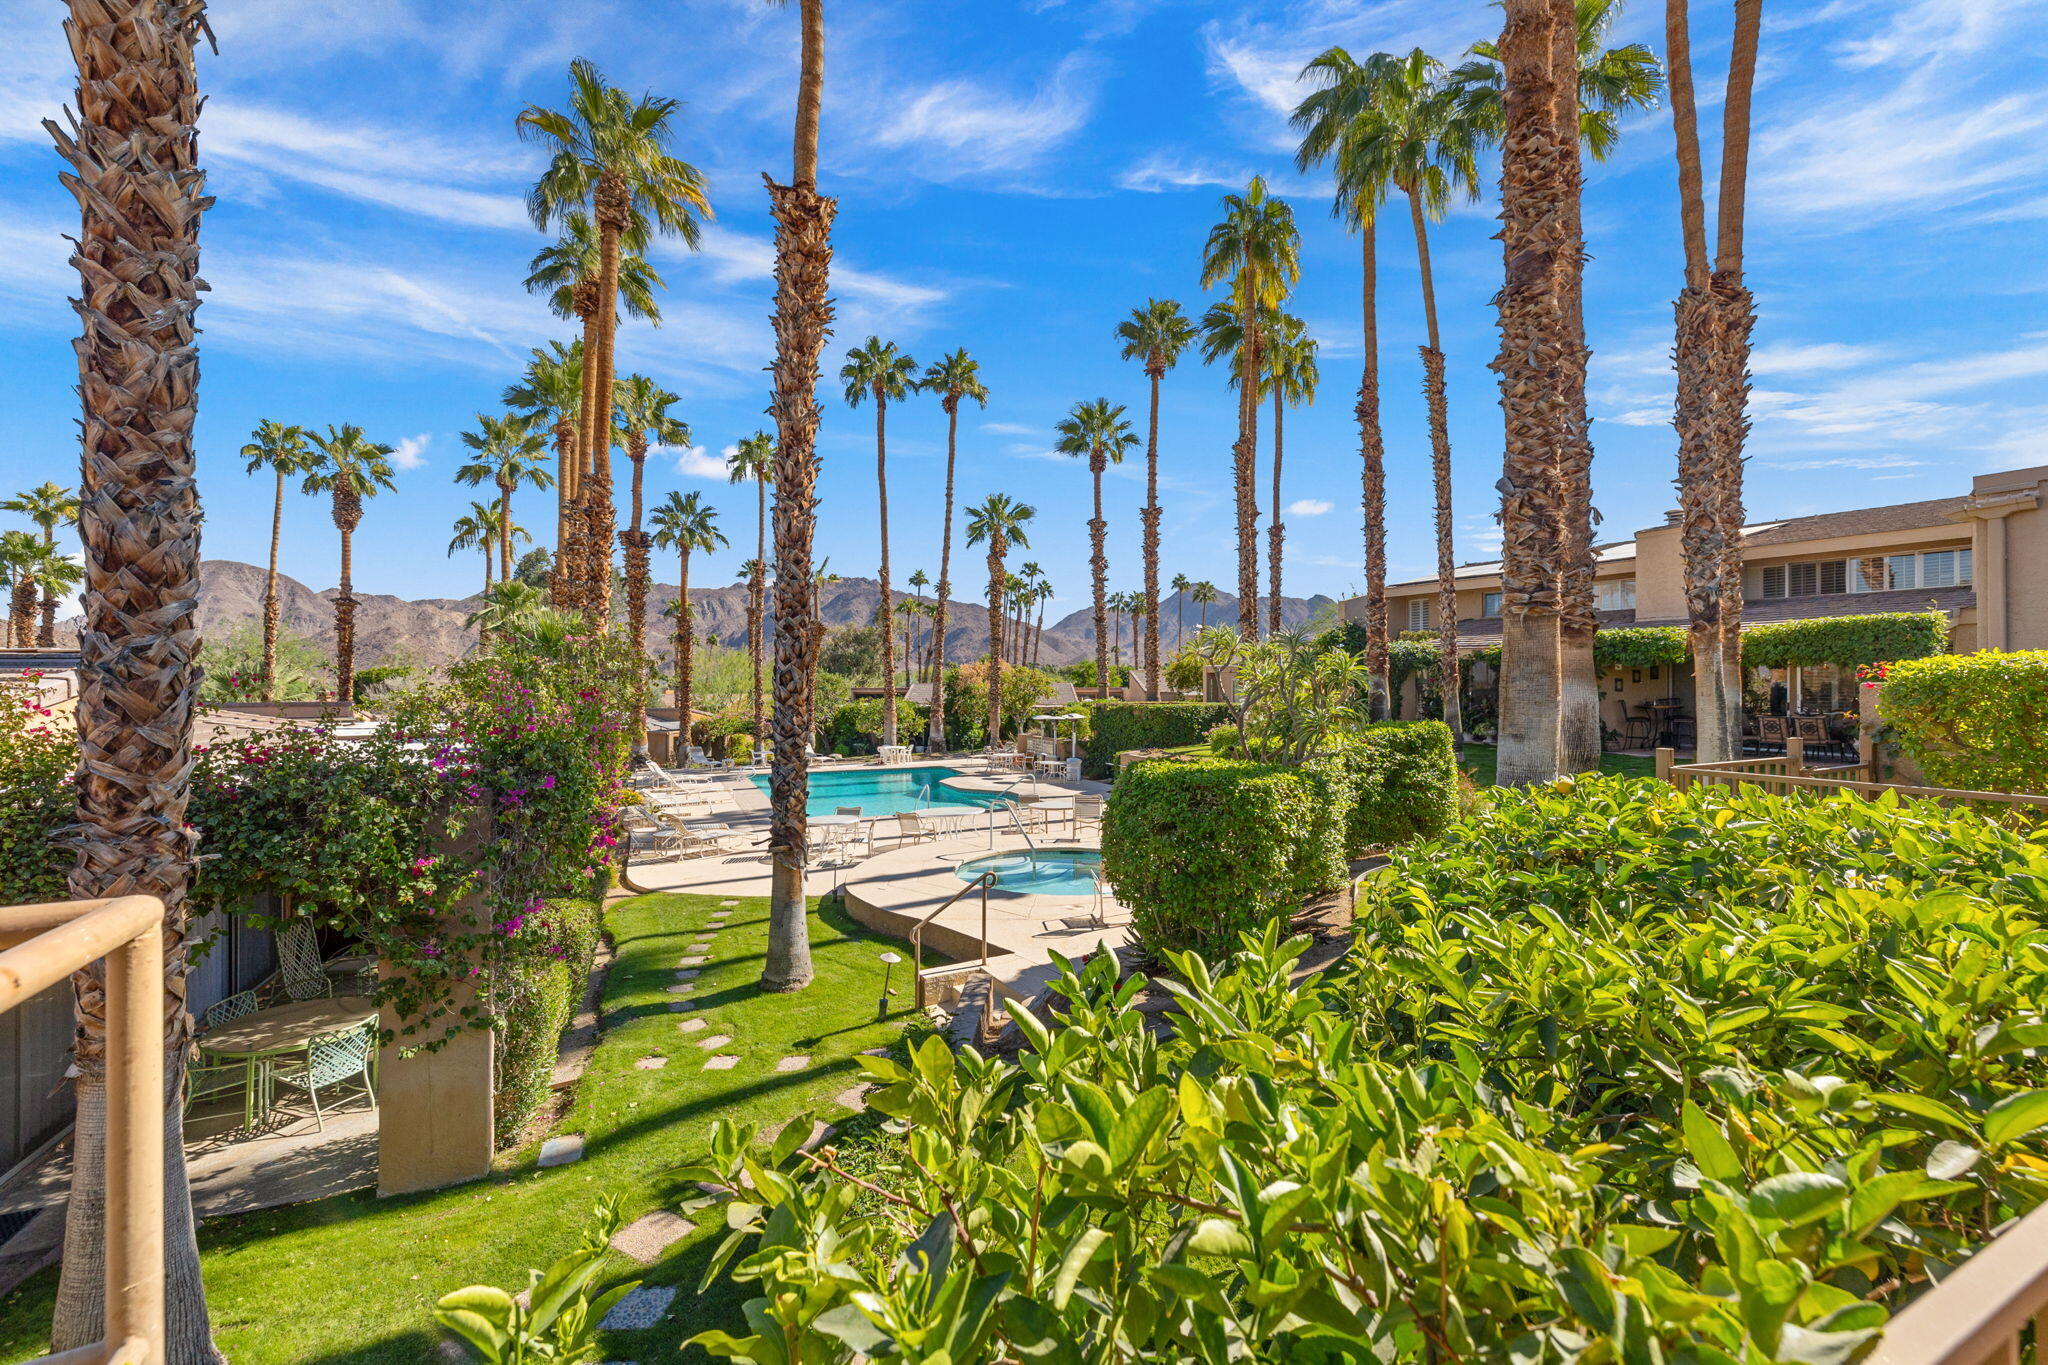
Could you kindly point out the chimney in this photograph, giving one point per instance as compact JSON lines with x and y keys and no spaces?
{"x":1674,"y":516}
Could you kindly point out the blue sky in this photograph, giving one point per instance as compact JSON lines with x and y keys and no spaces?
{"x":1014,"y":176}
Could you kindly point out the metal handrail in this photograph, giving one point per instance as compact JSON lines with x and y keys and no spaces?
{"x":41,"y":945}
{"x":982,"y":880}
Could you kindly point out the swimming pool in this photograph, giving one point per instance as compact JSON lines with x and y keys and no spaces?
{"x":1047,"y":872}
{"x":885,"y":791}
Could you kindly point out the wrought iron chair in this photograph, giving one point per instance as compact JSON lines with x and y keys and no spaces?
{"x":1813,"y":733}
{"x":298,"y":963}
{"x":1772,"y":732}
{"x":326,"y":1062}
{"x":1637,"y":732}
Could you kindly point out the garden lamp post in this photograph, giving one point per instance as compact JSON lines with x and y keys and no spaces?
{"x":889,"y":961}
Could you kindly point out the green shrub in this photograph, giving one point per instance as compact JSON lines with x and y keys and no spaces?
{"x":856,"y":727}
{"x":1404,"y":783}
{"x":537,"y":992}
{"x":1846,"y":641}
{"x":728,"y":735}
{"x":38,"y":755}
{"x":1975,"y":721}
{"x":1204,"y":849}
{"x":1114,"y":726}
{"x":1224,"y":742}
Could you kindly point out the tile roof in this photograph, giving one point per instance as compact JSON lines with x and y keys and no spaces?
{"x":1484,"y":632}
{"x":1861,"y":521}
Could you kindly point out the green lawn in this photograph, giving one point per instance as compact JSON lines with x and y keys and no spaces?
{"x":353,"y":1279}
{"x":1479,"y":760}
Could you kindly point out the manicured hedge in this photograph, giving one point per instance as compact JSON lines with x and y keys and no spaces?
{"x":1848,"y":641}
{"x":1405,"y":783}
{"x":1114,"y":726}
{"x":1976,"y":721}
{"x":537,"y":995}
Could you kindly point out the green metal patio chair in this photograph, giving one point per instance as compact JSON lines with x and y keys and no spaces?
{"x":298,"y":962}
{"x":326,"y":1062}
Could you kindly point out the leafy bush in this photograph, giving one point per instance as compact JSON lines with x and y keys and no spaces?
{"x":967,"y":702}
{"x":555,"y":1319}
{"x":1847,"y":641}
{"x":38,"y":756}
{"x":1204,"y":849}
{"x":1975,"y":721}
{"x":727,"y":735}
{"x":537,"y":990}
{"x":1082,"y":674}
{"x":1114,"y":726}
{"x":856,"y":727}
{"x":1404,"y":779}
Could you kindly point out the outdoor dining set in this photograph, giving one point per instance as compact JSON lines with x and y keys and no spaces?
{"x":1665,"y":722}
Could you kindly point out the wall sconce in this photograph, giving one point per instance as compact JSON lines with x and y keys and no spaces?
{"x":1635,"y":675}
{"x":1617,"y":682}
{"x":1653,"y":672}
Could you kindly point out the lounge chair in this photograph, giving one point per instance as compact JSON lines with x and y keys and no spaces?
{"x":659,"y":839}
{"x":699,"y":841}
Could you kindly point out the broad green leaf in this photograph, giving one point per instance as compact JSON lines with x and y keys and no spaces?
{"x":1925,"y":1107}
{"x":1709,"y":1147}
{"x":1079,"y":1254}
{"x":2015,"y":1116}
{"x":1797,"y":1196}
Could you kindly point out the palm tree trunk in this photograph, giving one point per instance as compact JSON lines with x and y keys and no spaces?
{"x":637,"y":542}
{"x":935,"y":739}
{"x":505,"y":532}
{"x":1275,"y":533}
{"x":568,"y":518}
{"x":685,"y":646}
{"x":490,"y":553}
{"x":133,"y":149}
{"x":270,"y":595}
{"x":46,"y":626}
{"x":345,"y":628}
{"x":995,"y":639}
{"x":1440,"y":462}
{"x":1245,"y":459}
{"x":1373,"y":479}
{"x":612,"y":208}
{"x":1098,"y":569}
{"x":757,"y":605}
{"x":1538,"y":172}
{"x":803,"y":317}
{"x":575,"y":573}
{"x":888,"y":607}
{"x":1151,"y":537}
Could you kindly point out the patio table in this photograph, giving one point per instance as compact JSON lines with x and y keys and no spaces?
{"x":1057,"y":806}
{"x":255,"y":1038}
{"x":948,"y":819}
{"x":837,"y":832}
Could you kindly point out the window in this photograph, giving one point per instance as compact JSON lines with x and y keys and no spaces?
{"x":1615,"y":596}
{"x":1489,"y":604}
{"x":1418,"y":613}
{"x":1774,"y":580}
{"x":1889,"y":573}
{"x":1806,"y":580}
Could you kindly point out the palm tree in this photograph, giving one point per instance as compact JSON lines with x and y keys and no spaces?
{"x":1204,"y":595}
{"x":1097,"y":432}
{"x":1155,"y":336}
{"x":952,"y":377}
{"x":643,"y":408}
{"x":1413,"y":129}
{"x":683,"y":523}
{"x":919,"y":580}
{"x":1043,"y":592}
{"x":803,"y":317}
{"x":58,"y":575}
{"x":1715,"y":314}
{"x":612,"y":152}
{"x":877,"y":368}
{"x":1013,"y":618}
{"x":49,"y":505}
{"x":283,"y":451}
{"x":1611,"y":82}
{"x":1332,"y":121}
{"x":1181,"y":584}
{"x":132,"y":146}
{"x":20,"y":555}
{"x":754,"y":459}
{"x":1027,"y":593}
{"x":1291,"y":377}
{"x":481,"y":528}
{"x":1257,"y":248}
{"x":999,"y":523}
{"x":551,"y":395}
{"x":568,"y":272}
{"x":816,"y":622}
{"x":510,"y":450}
{"x":350,"y":467}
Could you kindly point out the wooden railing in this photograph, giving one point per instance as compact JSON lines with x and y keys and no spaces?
{"x":44,"y":944}
{"x":1980,"y":1313}
{"x":1789,"y":772}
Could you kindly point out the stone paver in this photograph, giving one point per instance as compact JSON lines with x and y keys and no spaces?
{"x":696,"y":961}
{"x":792,"y":1063}
{"x":640,"y":1309}
{"x":651,"y":1063}
{"x":854,"y":1098}
{"x":680,"y":988}
{"x":689,"y":973}
{"x":716,"y":1040}
{"x":727,"y":903}
{"x":691,"y":1025}
{"x":682,"y":1006}
{"x":723,"y":1062}
{"x":560,"y":1151}
{"x":874,"y":1052}
{"x":644,"y":1239}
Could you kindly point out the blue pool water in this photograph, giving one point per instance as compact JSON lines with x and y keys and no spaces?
{"x":1051,"y":872}
{"x":884,"y":791}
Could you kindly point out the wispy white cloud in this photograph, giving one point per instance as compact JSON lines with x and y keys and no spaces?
{"x":1847,"y":462}
{"x":1164,"y":171}
{"x":1310,"y":507}
{"x":1640,"y":417}
{"x":969,"y":127}
{"x":411,"y":451}
{"x":697,"y":462}
{"x":1812,"y":358}
{"x":1009,"y":429}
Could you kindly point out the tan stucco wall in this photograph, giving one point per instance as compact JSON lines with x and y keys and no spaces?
{"x":2026,"y":556}
{"x":1660,"y":575}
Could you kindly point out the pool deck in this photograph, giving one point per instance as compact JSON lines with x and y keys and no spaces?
{"x":896,"y":882}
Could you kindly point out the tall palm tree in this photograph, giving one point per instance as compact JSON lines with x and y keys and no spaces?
{"x":952,"y":377}
{"x":482,"y":528}
{"x":1043,"y":593}
{"x":21,"y":555}
{"x":1415,"y":131}
{"x":919,"y":580}
{"x":1181,"y":584}
{"x":1332,"y":120}
{"x":1155,"y":336}
{"x":683,"y":523}
{"x":510,"y":450}
{"x":132,"y":146}
{"x":1015,"y":586}
{"x":1611,"y":83}
{"x":643,"y":408}
{"x":57,"y":575}
{"x":611,"y":152}
{"x":350,"y":467}
{"x":753,"y":460}
{"x":1204,"y":595}
{"x":1256,"y":248}
{"x":876,"y":368}
{"x":568,"y":271}
{"x":1291,"y":377}
{"x":1715,"y":314}
{"x":550,"y":393}
{"x":1030,"y":573}
{"x":1097,"y":432}
{"x":283,"y":451}
{"x":49,"y":505}
{"x":803,"y":318}
{"x":1000,"y":524}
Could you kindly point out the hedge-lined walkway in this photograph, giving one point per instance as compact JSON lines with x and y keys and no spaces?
{"x":353,"y":1280}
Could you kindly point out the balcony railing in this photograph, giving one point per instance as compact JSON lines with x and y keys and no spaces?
{"x":1980,"y":1313}
{"x":41,"y":945}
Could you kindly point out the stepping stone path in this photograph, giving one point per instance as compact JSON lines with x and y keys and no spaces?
{"x":716,"y":1040}
{"x":683,"y":1006}
{"x":724,"y":1062}
{"x":651,"y":1063}
{"x":874,"y":1052}
{"x":681,"y":988}
{"x":640,"y":1309}
{"x":560,"y":1151}
{"x":690,"y":1025}
{"x":727,"y":903}
{"x":689,"y":973}
{"x":792,"y":1063}
{"x":697,"y":961}
{"x":644,"y":1239}
{"x":854,"y":1098}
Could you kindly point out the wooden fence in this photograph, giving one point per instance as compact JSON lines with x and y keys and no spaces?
{"x":1788,"y":772}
